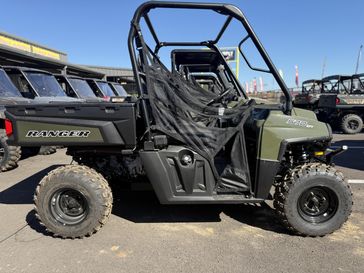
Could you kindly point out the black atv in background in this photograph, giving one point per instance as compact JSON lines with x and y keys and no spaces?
{"x":77,"y":87}
{"x":118,"y":89}
{"x":308,"y":99}
{"x":342,"y":103}
{"x":101,"y":88}
{"x":39,"y":86}
{"x":201,"y":67}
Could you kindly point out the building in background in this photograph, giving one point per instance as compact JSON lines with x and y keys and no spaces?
{"x":124,"y":76}
{"x":17,"y":51}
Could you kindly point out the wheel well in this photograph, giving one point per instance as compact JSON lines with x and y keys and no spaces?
{"x":349,"y":112}
{"x":297,"y":153}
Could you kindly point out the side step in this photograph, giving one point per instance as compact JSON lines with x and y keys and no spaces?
{"x":214,"y":199}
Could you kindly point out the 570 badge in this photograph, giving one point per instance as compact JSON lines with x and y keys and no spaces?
{"x":58,"y":133}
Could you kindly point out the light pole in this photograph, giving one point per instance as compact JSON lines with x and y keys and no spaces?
{"x":358,"y":60}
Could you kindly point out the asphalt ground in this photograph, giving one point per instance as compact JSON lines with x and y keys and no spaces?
{"x":144,"y":236}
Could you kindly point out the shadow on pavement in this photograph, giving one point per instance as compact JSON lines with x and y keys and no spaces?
{"x":22,"y":192}
{"x":144,"y":207}
{"x":353,"y":158}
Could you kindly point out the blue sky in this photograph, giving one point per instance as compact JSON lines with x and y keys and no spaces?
{"x":299,"y":33}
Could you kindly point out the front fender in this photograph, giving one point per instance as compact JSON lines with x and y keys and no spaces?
{"x":279,"y":130}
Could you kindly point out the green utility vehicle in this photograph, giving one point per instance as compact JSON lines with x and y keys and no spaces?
{"x":195,"y":147}
{"x":343,"y":104}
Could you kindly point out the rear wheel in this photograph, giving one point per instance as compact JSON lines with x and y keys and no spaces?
{"x":351,"y":124}
{"x":73,"y":201}
{"x":313,"y":200}
{"x":9,"y":155}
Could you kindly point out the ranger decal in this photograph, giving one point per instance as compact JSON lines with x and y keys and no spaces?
{"x":58,"y":133}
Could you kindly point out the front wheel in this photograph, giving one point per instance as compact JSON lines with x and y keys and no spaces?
{"x":73,"y":201}
{"x":313,"y":200}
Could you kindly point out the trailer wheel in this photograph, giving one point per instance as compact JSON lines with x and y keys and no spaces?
{"x":351,"y":124}
{"x":9,"y":155}
{"x":313,"y":200}
{"x":73,"y":201}
{"x":47,"y":150}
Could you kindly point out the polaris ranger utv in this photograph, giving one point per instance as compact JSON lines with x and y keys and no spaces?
{"x":77,"y":87}
{"x":40,"y":86}
{"x":173,"y":134}
{"x":10,"y":155}
{"x":201,"y":67}
{"x":343,"y":104}
{"x":118,"y":89}
{"x":101,"y":88}
{"x":308,"y":99}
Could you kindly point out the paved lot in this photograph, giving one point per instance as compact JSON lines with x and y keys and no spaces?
{"x":143,"y":236}
{"x":352,"y":161}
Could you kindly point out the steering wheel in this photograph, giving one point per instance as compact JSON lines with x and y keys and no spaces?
{"x":221,"y":96}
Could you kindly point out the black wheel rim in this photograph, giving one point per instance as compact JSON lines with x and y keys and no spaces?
{"x":353,"y":124}
{"x":318,"y":204}
{"x":68,"y":206}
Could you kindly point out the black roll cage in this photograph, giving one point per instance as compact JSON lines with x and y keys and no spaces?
{"x":360,"y":78}
{"x":231,"y":11}
{"x":339,"y":80}
{"x":313,"y":82}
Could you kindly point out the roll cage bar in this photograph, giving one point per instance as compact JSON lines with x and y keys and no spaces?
{"x":230,"y":11}
{"x":313,"y":82}
{"x":339,"y":80}
{"x":360,"y":78}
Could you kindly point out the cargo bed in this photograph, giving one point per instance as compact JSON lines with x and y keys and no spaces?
{"x":74,"y":124}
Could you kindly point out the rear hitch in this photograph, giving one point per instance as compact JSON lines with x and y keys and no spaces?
{"x":331,"y":153}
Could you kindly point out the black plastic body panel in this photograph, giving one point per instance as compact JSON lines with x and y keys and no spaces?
{"x":267,"y":170}
{"x":115,"y":121}
{"x":176,"y":183}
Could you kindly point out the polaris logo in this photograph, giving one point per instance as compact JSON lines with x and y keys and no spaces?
{"x":58,"y":133}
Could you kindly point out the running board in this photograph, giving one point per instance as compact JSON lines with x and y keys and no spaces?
{"x":214,"y":199}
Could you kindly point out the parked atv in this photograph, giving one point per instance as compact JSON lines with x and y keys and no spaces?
{"x":39,"y":86}
{"x":77,"y":87}
{"x":173,"y":136}
{"x":101,"y":88}
{"x":344,"y":106}
{"x":9,"y":94}
{"x":309,"y":97}
{"x":118,"y":89}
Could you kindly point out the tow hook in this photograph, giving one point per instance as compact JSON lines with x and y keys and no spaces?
{"x":331,"y":153}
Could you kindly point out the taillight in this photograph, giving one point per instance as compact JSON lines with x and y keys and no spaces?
{"x":337,"y":101}
{"x":8,"y":127}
